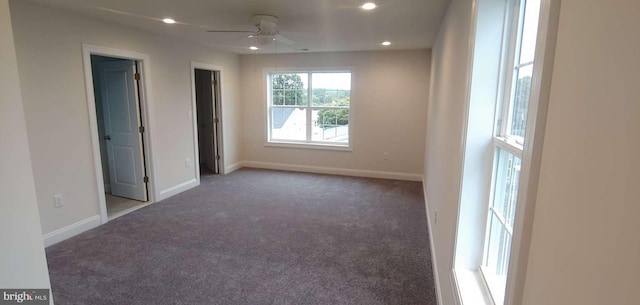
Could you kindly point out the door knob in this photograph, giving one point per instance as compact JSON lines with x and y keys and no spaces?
{"x":107,"y":137}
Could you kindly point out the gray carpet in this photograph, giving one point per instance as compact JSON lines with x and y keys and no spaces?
{"x":257,"y":237}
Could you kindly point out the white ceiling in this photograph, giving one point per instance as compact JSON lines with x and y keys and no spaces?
{"x":316,"y":25}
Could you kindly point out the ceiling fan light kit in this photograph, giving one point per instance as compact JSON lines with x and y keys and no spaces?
{"x":263,"y":40}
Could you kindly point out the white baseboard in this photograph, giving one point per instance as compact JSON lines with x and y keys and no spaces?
{"x":177,"y":189}
{"x":434,"y":264}
{"x":333,"y":171}
{"x":71,"y":230}
{"x":232,"y":168}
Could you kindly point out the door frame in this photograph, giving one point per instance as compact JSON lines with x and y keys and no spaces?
{"x":194,"y":111}
{"x":146,"y":116}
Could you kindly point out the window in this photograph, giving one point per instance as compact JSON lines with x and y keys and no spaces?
{"x":309,"y":107}
{"x":508,"y":142}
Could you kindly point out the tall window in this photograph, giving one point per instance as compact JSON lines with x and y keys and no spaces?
{"x":309,"y":107}
{"x":508,"y":142}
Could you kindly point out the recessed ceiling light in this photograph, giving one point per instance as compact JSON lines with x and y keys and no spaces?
{"x":368,"y":6}
{"x":168,"y":21}
{"x":386,"y":43}
{"x":253,"y":48}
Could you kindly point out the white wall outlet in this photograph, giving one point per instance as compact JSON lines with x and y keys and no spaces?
{"x":435,"y":217}
{"x":57,"y":201}
{"x":187,"y":162}
{"x":385,"y":156}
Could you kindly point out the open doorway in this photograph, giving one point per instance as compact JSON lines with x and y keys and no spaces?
{"x":207,"y":106}
{"x":121,"y":134}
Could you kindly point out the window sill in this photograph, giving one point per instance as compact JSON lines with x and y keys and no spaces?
{"x":471,"y":288}
{"x":318,"y":146}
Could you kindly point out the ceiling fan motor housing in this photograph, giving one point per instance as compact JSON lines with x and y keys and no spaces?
{"x":266,"y":24}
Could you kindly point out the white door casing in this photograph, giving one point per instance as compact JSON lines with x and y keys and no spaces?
{"x":122,"y":134}
{"x":216,"y":134}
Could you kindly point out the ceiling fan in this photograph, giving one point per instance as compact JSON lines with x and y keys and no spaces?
{"x":266,"y":31}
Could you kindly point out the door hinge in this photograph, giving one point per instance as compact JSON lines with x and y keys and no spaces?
{"x":214,"y":82}
{"x":141,"y":128}
{"x":216,"y":120}
{"x":136,"y":76}
{"x":218,"y":157}
{"x":145,"y":179}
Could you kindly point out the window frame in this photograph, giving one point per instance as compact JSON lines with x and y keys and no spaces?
{"x":503,"y":140}
{"x":484,"y":79}
{"x":308,"y":143}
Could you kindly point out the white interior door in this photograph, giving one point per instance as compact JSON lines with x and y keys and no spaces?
{"x":122,"y":133}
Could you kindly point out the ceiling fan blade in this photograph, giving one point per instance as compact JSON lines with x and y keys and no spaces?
{"x":284,"y":40}
{"x":213,"y":31}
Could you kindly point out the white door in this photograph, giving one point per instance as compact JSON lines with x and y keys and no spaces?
{"x":122,"y":134}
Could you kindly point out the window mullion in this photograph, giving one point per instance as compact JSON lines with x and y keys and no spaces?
{"x":309,"y":110}
{"x":502,"y":143}
{"x":522,"y":65}
{"x":502,"y":221}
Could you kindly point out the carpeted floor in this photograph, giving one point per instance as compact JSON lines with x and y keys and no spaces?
{"x":257,"y":237}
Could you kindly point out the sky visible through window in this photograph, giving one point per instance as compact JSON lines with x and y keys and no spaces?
{"x":530,"y":31}
{"x":340,"y":81}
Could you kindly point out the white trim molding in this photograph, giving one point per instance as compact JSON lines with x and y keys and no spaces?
{"x":71,"y":230}
{"x":308,"y":143}
{"x":177,"y":189}
{"x":432,"y":248}
{"x":194,"y":117}
{"x":333,"y":171}
{"x":532,"y":153}
{"x":146,"y":107}
{"x":233,"y":167}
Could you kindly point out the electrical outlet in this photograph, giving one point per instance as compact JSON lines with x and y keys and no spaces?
{"x":385,"y":156}
{"x":189,"y":115}
{"x":57,"y":201}
{"x":187,"y":162}
{"x":436,"y":217}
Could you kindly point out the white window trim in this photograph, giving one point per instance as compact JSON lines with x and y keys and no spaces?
{"x":469,"y":286}
{"x":511,"y":40}
{"x":306,"y":144}
{"x":515,"y":19}
{"x":532,"y":152}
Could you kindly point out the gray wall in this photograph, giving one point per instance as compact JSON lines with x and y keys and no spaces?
{"x":389,"y":97}
{"x":52,"y":77}
{"x":22,"y":258}
{"x":443,"y":152}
